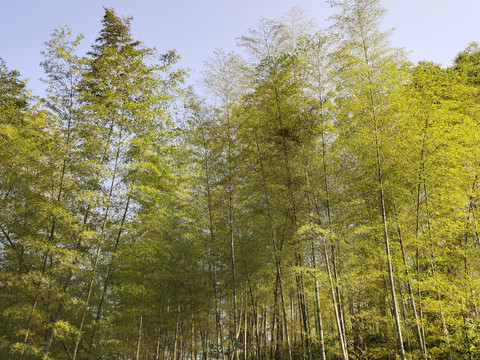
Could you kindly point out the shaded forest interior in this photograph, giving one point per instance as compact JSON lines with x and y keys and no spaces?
{"x":318,"y":201}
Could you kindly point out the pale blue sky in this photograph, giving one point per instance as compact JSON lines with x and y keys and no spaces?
{"x":431,"y":29}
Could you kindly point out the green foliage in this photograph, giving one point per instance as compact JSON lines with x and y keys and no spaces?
{"x":140,"y":221}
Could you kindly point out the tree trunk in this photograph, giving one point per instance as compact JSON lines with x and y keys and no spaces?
{"x":318,"y":309}
{"x":412,"y":297}
{"x":275,"y":250}
{"x":99,"y":246}
{"x":140,"y":318}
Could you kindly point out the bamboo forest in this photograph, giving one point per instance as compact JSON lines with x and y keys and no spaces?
{"x":314,"y":196}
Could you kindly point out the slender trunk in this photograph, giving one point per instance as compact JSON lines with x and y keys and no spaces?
{"x":472,"y":210}
{"x":332,"y":280}
{"x":275,"y":249}
{"x":333,"y":287}
{"x":274,"y":326}
{"x":249,"y":291}
{"x":165,"y":334}
{"x":34,"y":306}
{"x":318,"y":309}
{"x":417,"y":240}
{"x":298,"y":257}
{"x":412,"y":297}
{"x":175,"y":342}
{"x":231,"y":234}
{"x":373,"y":113}
{"x":245,"y":333}
{"x":29,"y":322}
{"x":421,"y":180}
{"x":56,"y":318}
{"x":464,"y":303}
{"x":193,"y":343}
{"x":258,"y":334}
{"x":396,"y":313}
{"x":99,"y":246}
{"x":212,"y":250}
{"x":234,"y":292}
{"x":204,"y":341}
{"x":157,"y":347}
{"x":11,"y":324}
{"x":182,"y":342}
{"x":293,"y":320}
{"x":338,"y":301}
{"x":434,"y":271}
{"x":55,"y":321}
{"x":140,"y":318}
{"x":49,"y":334}
{"x":387,"y":244}
{"x":107,"y":278}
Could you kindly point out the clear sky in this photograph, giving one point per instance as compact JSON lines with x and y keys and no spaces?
{"x":430,"y":29}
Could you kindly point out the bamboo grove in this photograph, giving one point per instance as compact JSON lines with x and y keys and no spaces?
{"x":318,"y":201}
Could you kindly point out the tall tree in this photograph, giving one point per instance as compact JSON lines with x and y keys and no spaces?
{"x":225,"y":78}
{"x":372,"y":71}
